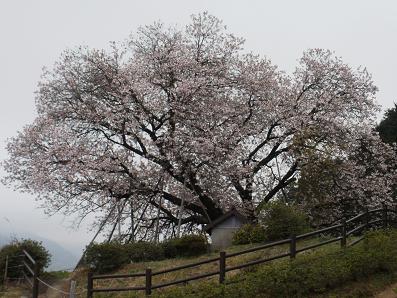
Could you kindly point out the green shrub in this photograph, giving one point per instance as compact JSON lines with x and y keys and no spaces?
{"x":169,"y":249}
{"x":144,"y":251}
{"x":14,"y":250}
{"x":105,"y":257}
{"x":185,"y":246}
{"x":249,"y":233}
{"x":281,"y":221}
{"x":306,"y":276}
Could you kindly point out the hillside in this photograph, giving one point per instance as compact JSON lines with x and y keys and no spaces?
{"x":81,"y":275}
{"x":364,"y":270}
{"x":360,"y":271}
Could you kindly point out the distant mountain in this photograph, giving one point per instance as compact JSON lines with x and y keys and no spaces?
{"x":61,"y":258}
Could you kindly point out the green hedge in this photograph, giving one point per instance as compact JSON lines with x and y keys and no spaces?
{"x":144,"y":251}
{"x":249,"y":233}
{"x":107,"y":257}
{"x":186,"y":246}
{"x":307,"y":275}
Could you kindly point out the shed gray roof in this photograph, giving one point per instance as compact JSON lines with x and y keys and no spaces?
{"x":219,"y":220}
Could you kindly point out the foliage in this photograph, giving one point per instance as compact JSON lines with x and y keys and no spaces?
{"x":387,"y":128}
{"x":186,"y":113}
{"x":249,"y":233}
{"x":277,"y":221}
{"x":317,"y":182}
{"x":185,"y":246}
{"x":281,"y":221}
{"x":14,"y":251}
{"x":144,"y":251}
{"x":169,"y":249}
{"x":307,"y":275}
{"x":105,"y":257}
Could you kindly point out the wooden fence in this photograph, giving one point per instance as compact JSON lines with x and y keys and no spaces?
{"x":30,"y":274}
{"x":29,"y":270}
{"x":360,"y":223}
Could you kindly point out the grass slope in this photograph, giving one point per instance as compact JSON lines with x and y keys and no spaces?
{"x":328,"y":271}
{"x":81,"y":275}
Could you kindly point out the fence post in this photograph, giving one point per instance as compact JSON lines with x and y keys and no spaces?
{"x":222,"y":267}
{"x":148,"y":285}
{"x":385,"y":221}
{"x":90,"y":284}
{"x":72,"y":289}
{"x":292,"y":247}
{"x":343,"y":239}
{"x":35,"y":288}
{"x":5,"y":273}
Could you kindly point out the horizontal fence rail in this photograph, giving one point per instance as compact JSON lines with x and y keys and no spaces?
{"x":362,"y":221}
{"x":118,"y":276}
{"x":318,"y":232}
{"x":186,"y":266}
{"x":319,"y":244}
{"x":185,"y":280}
{"x":269,"y":245}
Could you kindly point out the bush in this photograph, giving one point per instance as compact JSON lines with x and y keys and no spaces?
{"x":144,"y":251}
{"x":169,"y":249}
{"x":14,"y":250}
{"x":105,"y":257}
{"x":281,"y":221}
{"x":185,"y":246}
{"x":249,"y":234}
{"x":307,"y":275}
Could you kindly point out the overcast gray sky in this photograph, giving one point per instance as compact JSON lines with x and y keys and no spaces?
{"x":33,"y":34}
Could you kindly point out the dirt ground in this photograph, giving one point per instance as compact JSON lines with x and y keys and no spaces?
{"x":389,"y":292}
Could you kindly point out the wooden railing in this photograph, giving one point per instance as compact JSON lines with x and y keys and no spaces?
{"x":30,"y":274}
{"x":362,"y":221}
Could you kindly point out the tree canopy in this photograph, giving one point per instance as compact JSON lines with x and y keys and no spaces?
{"x":181,"y":124}
{"x":387,"y":128}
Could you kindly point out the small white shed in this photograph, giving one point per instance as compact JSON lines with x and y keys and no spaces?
{"x":222,"y":229}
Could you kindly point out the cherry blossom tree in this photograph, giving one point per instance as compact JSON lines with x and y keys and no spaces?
{"x":181,"y":124}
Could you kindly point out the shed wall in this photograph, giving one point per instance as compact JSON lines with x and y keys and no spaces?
{"x":222,"y":234}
